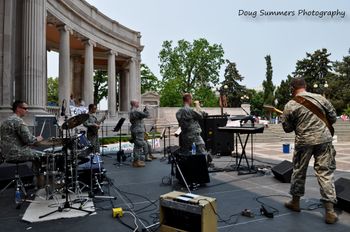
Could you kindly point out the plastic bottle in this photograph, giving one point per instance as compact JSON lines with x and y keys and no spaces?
{"x":18,"y":198}
{"x":193,"y":151}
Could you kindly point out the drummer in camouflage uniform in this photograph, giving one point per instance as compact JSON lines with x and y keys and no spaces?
{"x":16,"y":139}
{"x":312,"y":138}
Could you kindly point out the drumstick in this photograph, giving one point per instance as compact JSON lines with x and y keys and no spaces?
{"x":42,"y":128}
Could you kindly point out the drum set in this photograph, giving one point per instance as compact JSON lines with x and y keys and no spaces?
{"x":68,"y":164}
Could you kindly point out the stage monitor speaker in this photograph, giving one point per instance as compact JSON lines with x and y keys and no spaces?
{"x":187,"y":212}
{"x":194,"y":168}
{"x":50,"y":128}
{"x":342,"y":187}
{"x":283,"y":171}
{"x":215,"y":141}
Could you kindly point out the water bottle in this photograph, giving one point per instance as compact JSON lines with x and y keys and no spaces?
{"x":193,"y":149}
{"x":18,"y":198}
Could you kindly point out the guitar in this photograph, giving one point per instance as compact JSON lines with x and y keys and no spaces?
{"x":95,"y":129}
{"x":273,"y":109}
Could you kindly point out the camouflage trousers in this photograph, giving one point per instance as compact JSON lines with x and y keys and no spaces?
{"x":140,"y":145}
{"x":25,"y":154}
{"x":324,"y":166}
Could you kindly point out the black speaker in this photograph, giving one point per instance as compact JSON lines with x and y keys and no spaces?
{"x":342,"y":187}
{"x":216,"y":141}
{"x":283,"y":171}
{"x":194,"y":168}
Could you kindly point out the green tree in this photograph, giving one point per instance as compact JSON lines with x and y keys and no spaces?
{"x":188,"y":66}
{"x":268,"y":86}
{"x":283,"y":94}
{"x":338,"y":90}
{"x":100,"y":86}
{"x":171,"y":94}
{"x":256,"y":102}
{"x":52,"y":90}
{"x":234,"y":90}
{"x":207,"y":96}
{"x":149,"y":81}
{"x":314,"y":68}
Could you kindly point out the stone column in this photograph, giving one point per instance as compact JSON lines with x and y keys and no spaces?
{"x":88,"y":87}
{"x":111,"y":84}
{"x":124,"y":98}
{"x":132,"y":80}
{"x":77,"y":77}
{"x":34,"y":54}
{"x":64,"y":83}
{"x":138,"y":79}
{"x":7,"y":37}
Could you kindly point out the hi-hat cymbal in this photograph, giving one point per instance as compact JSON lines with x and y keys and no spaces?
{"x":51,"y":142}
{"x":75,"y":121}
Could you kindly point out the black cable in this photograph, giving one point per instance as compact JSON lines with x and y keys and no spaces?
{"x":124,"y":224}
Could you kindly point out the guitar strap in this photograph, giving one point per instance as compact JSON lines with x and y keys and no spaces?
{"x":316,"y":110}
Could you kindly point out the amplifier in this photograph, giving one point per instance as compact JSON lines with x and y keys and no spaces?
{"x":187,"y":212}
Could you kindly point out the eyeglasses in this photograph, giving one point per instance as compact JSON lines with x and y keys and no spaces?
{"x":25,"y":108}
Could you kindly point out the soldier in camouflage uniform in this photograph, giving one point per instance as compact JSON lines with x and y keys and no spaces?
{"x":188,"y":120}
{"x":137,"y":129}
{"x":16,"y":138}
{"x":312,"y":138}
{"x":92,"y":125}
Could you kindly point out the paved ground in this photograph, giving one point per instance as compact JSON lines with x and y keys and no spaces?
{"x":138,"y":190}
{"x":274,"y":152}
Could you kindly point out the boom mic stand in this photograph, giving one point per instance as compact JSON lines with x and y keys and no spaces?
{"x":66,"y":205}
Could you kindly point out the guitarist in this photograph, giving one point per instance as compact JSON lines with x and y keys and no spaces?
{"x":311,"y":117}
{"x":92,"y":125}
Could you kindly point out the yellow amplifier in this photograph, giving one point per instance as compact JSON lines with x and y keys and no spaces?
{"x":182,"y":212}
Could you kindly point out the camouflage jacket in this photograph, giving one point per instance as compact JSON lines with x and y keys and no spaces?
{"x":136,"y":119}
{"x":309,"y":128}
{"x":15,"y":137}
{"x":188,"y":120}
{"x":90,"y":125}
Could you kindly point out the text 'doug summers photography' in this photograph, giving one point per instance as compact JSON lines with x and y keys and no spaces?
{"x":321,"y":14}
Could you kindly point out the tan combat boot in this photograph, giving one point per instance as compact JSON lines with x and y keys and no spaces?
{"x":330,"y":217}
{"x":293,"y":204}
{"x":138,"y":164}
{"x":152,"y":157}
{"x":148,"y":158}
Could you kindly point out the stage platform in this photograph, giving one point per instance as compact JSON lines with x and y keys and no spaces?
{"x":138,"y":190}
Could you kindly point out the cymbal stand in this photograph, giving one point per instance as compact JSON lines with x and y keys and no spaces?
{"x":77,"y":189}
{"x":93,"y":177}
{"x":66,"y":204}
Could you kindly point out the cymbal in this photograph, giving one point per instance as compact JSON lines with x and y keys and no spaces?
{"x":51,"y":142}
{"x":75,"y":121}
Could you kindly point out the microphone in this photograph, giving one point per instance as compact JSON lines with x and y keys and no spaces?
{"x":152,"y":128}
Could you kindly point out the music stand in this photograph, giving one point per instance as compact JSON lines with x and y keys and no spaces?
{"x":120,"y":153}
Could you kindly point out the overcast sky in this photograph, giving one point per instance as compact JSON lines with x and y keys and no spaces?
{"x":246,"y":40}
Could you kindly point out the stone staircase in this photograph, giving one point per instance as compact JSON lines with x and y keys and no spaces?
{"x":274,"y":133}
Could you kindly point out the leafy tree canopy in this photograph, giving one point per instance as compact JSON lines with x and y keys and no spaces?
{"x":100,"y":85}
{"x":52,"y":90}
{"x":234,"y":90}
{"x":268,"y":86}
{"x":149,"y":81}
{"x":188,"y":67}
